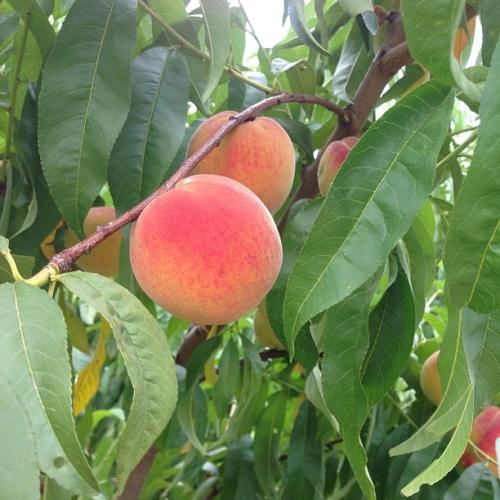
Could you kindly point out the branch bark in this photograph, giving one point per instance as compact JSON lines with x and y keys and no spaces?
{"x":392,"y":56}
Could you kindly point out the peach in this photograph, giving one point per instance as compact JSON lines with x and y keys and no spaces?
{"x":429,"y":379}
{"x":207,"y":251}
{"x":331,"y":161}
{"x":263,"y":330}
{"x":105,"y":257}
{"x":258,"y":153}
{"x":485,"y":432}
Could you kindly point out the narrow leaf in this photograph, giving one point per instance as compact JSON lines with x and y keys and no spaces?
{"x":472,"y":256}
{"x":303,"y":478}
{"x":392,"y":326}
{"x":481,"y":336}
{"x":351,"y":68}
{"x":84,"y":101}
{"x":267,"y":439}
{"x":430,"y":27}
{"x":147,"y":358}
{"x":296,"y":11}
{"x":218,"y":32}
{"x":346,"y":340}
{"x":38,"y":23}
{"x":489,"y":12}
{"x":34,"y":364}
{"x":457,"y":390}
{"x":147,"y":145}
{"x":375,"y":197}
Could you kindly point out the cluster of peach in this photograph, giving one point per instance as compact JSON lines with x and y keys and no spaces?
{"x":485,"y":428}
{"x":208,"y":250}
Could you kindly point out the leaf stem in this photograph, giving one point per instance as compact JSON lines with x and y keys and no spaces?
{"x":456,"y":152}
{"x":478,"y":451}
{"x":203,"y":55}
{"x":4,"y":218}
{"x":12,"y":265}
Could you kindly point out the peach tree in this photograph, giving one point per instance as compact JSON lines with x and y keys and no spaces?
{"x":236,"y":271}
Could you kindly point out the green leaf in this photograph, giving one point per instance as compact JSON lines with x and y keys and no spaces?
{"x":251,"y":395}
{"x":38,"y":23}
{"x":189,"y":405}
{"x":171,"y":11}
{"x":392,"y":326}
{"x":19,"y":476}
{"x":146,"y":145}
{"x":34,"y":366}
{"x":147,"y":358}
{"x":489,"y":12}
{"x":363,"y":7}
{"x":26,"y":140}
{"x":445,"y":463}
{"x":267,"y":439}
{"x":84,"y":101}
{"x":240,"y":482}
{"x":296,"y":11}
{"x":472,"y":256}
{"x":296,"y":231}
{"x":375,"y":197}
{"x":419,"y":243}
{"x":430,"y":27}
{"x":475,"y":483}
{"x":481,"y":337}
{"x":216,"y":17}
{"x":229,"y":378}
{"x":304,"y":472}
{"x":346,"y":341}
{"x":352,"y":66}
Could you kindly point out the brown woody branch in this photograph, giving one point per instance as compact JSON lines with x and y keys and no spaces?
{"x":393,"y":56}
{"x":64,"y":260}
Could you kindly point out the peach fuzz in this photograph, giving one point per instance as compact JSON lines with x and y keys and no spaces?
{"x":263,"y":329}
{"x":258,"y":153}
{"x":331,"y":161}
{"x":105,"y":257}
{"x":485,"y":432}
{"x":207,"y":251}
{"x":429,"y":379}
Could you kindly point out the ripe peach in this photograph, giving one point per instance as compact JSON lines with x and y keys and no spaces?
{"x":485,"y":432}
{"x":259,"y":154}
{"x":332,"y":160}
{"x":263,"y":329}
{"x":429,"y":379}
{"x":105,"y":257}
{"x":207,"y":251}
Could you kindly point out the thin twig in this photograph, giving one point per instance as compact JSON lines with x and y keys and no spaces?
{"x":63,"y":261}
{"x":202,"y":55}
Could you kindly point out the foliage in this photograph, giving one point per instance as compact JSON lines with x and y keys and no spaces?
{"x":99,"y":99}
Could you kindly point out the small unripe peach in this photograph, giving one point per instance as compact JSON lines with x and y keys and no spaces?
{"x":263,"y":329}
{"x":258,"y":153}
{"x":207,"y":251}
{"x":485,"y":432}
{"x":105,"y":257}
{"x":331,"y":161}
{"x":429,"y":379}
